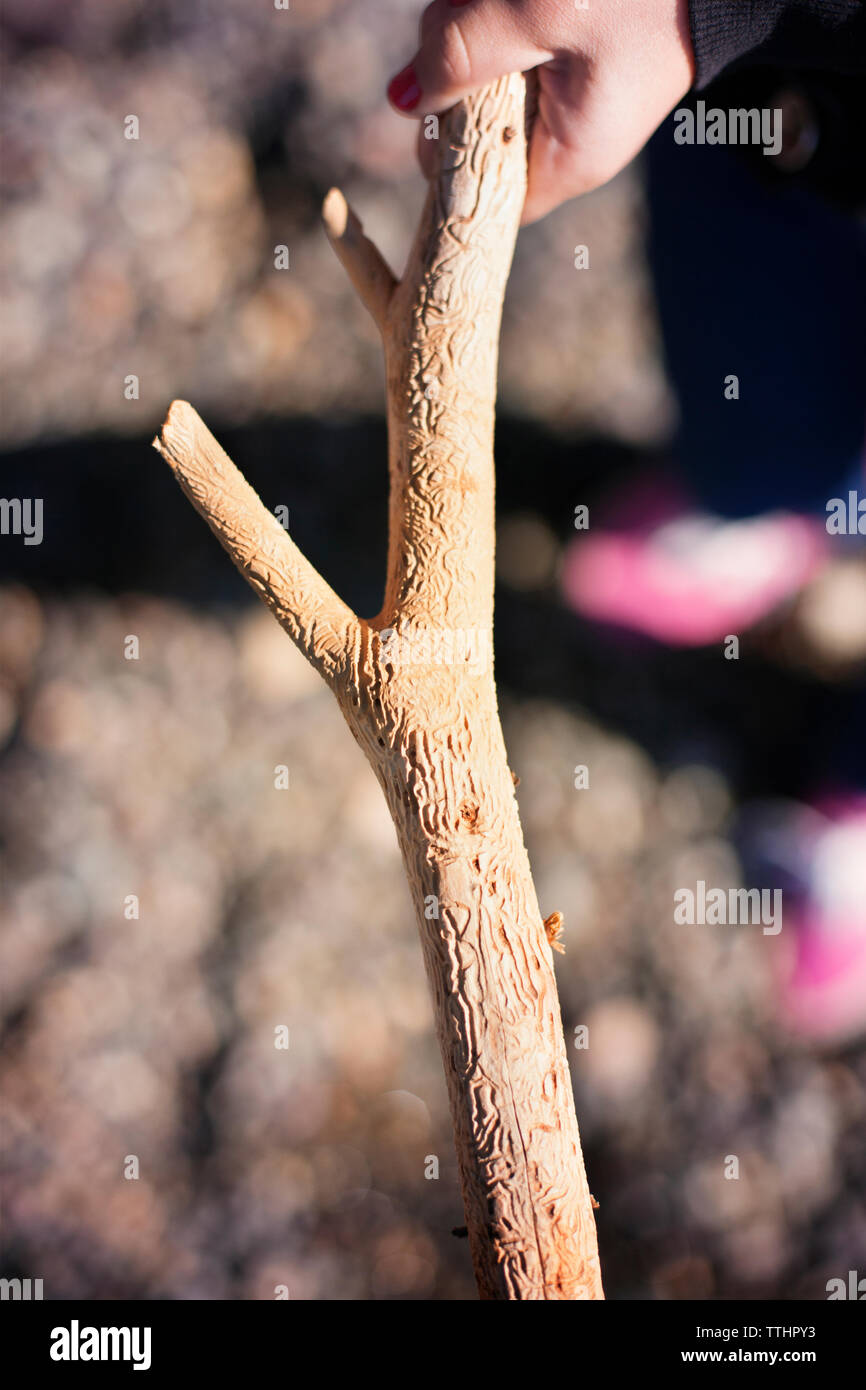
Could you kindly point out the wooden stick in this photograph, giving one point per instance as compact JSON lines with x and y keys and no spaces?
{"x":416,"y":687}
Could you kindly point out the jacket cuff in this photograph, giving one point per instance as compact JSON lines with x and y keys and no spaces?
{"x":724,"y":30}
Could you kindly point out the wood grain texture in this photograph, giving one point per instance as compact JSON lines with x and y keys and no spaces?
{"x":417,"y":689}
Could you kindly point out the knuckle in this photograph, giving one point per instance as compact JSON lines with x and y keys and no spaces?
{"x":454,"y":63}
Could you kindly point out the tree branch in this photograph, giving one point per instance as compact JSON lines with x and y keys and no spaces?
{"x":426,"y":714}
{"x":441,"y":352}
{"x":366,"y":267}
{"x":316,"y":619}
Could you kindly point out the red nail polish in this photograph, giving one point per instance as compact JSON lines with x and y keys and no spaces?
{"x":458,"y":2}
{"x":403,"y":90}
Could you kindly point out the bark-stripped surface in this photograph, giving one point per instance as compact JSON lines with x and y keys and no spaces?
{"x":426,"y":715}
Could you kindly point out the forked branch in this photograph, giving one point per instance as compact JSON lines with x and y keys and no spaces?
{"x":424,"y":710}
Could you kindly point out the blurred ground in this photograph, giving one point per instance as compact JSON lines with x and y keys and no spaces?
{"x":154,"y":1036}
{"x":155,"y":256}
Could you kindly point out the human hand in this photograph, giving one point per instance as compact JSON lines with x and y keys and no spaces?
{"x":608,"y":75}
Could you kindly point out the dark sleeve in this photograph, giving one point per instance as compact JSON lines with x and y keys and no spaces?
{"x":822,"y":34}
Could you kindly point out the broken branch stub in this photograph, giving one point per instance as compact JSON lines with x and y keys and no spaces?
{"x":416,"y":687}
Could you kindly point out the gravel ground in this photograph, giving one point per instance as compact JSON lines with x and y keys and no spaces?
{"x":153,"y":1035}
{"x":155,"y":256}
{"x":165,"y":908}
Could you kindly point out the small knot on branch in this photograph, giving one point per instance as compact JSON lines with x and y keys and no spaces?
{"x":553,"y":927}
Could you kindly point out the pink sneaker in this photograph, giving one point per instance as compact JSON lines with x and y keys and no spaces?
{"x":688,"y":578}
{"x":822,"y":971}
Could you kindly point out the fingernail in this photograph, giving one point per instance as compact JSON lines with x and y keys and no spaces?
{"x":403,"y":90}
{"x":458,"y":2}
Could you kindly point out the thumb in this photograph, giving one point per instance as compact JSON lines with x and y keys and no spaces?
{"x":464,"y":46}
